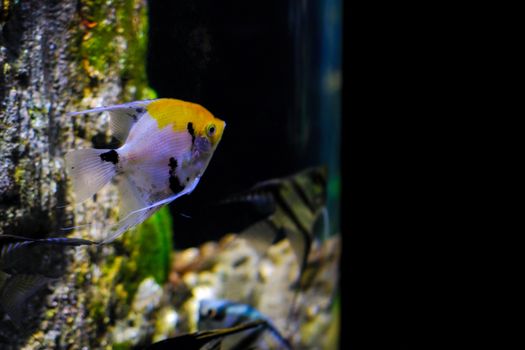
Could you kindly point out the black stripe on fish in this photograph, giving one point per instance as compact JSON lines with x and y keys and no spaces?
{"x":279,"y":231}
{"x":191,"y":131}
{"x":173,"y":165}
{"x":300,"y":192}
{"x":110,"y":156}
{"x":290,"y":213}
{"x":135,"y":113}
{"x":303,"y":230}
{"x":175,"y":184}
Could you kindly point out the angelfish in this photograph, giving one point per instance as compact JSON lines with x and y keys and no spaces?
{"x":291,"y":207}
{"x":167,"y":145}
{"x":219,"y":313}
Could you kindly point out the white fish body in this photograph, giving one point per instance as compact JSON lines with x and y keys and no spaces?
{"x":167,"y":146}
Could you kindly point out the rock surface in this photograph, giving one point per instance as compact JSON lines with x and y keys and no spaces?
{"x":232,"y":270}
{"x":55,"y":57}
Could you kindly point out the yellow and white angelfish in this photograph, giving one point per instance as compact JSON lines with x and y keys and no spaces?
{"x":167,"y":145}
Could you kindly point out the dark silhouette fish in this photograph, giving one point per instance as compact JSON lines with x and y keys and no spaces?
{"x":204,"y":340}
{"x":218,"y":313}
{"x":290,"y":208}
{"x":19,"y":276}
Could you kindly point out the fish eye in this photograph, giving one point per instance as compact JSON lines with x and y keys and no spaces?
{"x":210,"y":130}
{"x":211,"y":313}
{"x":215,"y":315}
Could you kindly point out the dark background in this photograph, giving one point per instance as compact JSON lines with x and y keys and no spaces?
{"x":397,"y":75}
{"x":240,"y":60}
{"x":237,"y":59}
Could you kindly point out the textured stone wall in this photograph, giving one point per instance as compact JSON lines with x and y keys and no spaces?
{"x":55,"y":57}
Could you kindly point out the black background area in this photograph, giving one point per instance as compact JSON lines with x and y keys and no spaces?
{"x":236,"y":59}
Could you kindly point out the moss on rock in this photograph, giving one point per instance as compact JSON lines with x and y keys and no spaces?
{"x":113,"y":43}
{"x":149,"y":247}
{"x":57,"y":57}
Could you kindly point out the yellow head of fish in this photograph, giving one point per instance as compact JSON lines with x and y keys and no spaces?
{"x":186,"y":116}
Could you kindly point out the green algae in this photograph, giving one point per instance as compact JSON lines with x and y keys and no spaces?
{"x":134,"y":73}
{"x":105,"y":283}
{"x":147,"y":252}
{"x":334,"y":329}
{"x":113,"y":43}
{"x":143,"y":252}
{"x":114,"y":37}
{"x":19,"y":174}
{"x":149,"y":247}
{"x":106,"y":49}
{"x":122,"y":346}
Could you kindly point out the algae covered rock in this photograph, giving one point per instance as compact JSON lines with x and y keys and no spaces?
{"x":56,"y":57}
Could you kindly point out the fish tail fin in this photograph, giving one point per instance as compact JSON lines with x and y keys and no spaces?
{"x":90,"y":170}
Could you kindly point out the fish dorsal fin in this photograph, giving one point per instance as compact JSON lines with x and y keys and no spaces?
{"x":16,"y":291}
{"x":122,"y":117}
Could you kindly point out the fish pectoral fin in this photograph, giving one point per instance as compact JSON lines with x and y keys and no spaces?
{"x":122,"y":116}
{"x":134,"y":207}
{"x":130,"y":198}
{"x":17,"y":290}
{"x":135,"y":217}
{"x":90,"y":170}
{"x":128,"y":222}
